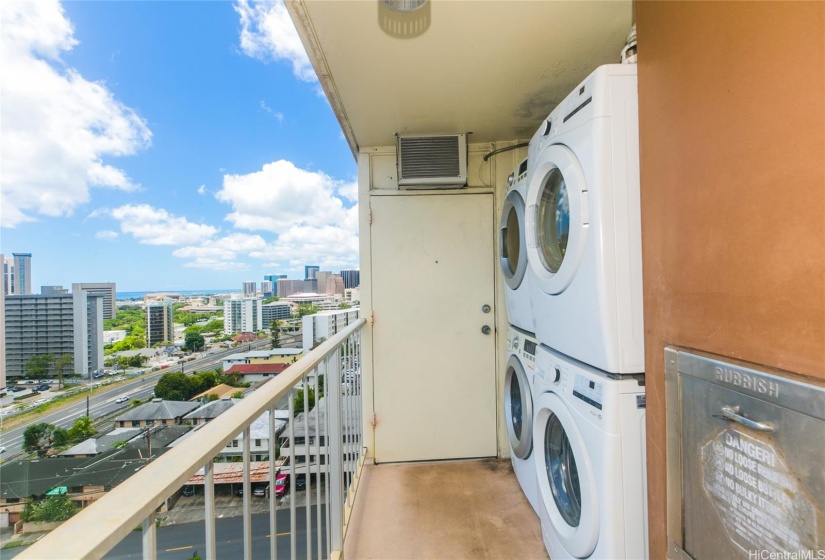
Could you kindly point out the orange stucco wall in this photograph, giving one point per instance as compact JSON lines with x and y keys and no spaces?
{"x":732,"y":132}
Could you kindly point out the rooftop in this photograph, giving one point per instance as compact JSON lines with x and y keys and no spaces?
{"x":253,"y":369}
{"x":158,"y":409}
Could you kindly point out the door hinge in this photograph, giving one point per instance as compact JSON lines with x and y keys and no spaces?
{"x":374,"y":421}
{"x":372,"y":318}
{"x":369,"y":216}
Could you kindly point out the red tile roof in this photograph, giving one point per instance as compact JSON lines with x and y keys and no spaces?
{"x":252,"y":369}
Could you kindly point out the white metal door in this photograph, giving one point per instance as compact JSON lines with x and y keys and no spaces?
{"x":433,"y":264}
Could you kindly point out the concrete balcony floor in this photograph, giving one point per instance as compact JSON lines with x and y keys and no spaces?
{"x":467,"y":509}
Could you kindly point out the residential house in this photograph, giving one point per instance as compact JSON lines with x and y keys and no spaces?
{"x":156,"y":412}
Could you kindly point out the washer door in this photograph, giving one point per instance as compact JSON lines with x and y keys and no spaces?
{"x":565,"y":475}
{"x":518,"y":408}
{"x":512,"y":245}
{"x":557,"y":218}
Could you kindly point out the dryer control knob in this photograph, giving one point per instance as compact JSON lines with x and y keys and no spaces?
{"x":557,"y":378}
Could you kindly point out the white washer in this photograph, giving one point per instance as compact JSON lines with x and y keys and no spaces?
{"x":518,"y":409}
{"x":512,"y":250}
{"x":584,"y":249}
{"x":588,"y":441}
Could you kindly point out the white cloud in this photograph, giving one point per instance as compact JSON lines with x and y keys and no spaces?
{"x":202,"y":189}
{"x":333,"y":248}
{"x":57,"y":127}
{"x":106,"y":235}
{"x":221,"y":254}
{"x":281,"y":195}
{"x":155,"y":226}
{"x":277,"y":114}
{"x":267,"y":33}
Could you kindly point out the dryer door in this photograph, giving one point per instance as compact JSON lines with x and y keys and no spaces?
{"x":565,"y":475}
{"x":518,"y":408}
{"x":512,"y":245}
{"x":557,"y":218}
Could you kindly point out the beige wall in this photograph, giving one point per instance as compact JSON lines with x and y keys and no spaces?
{"x":732,"y":131}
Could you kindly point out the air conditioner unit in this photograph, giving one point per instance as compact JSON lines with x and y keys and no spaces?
{"x":432,"y":162}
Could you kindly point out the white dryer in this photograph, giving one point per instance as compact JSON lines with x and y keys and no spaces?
{"x":589,"y":447}
{"x":584,"y":250}
{"x":512,"y":250}
{"x":518,"y":409}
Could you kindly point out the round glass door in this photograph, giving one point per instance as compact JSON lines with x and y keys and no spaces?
{"x":553,"y":221}
{"x":518,"y":408}
{"x":562,"y":473}
{"x":512,"y":243}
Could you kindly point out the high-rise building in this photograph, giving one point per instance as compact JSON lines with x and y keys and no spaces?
{"x":311,"y":272}
{"x":249,"y":288}
{"x":61,"y":324}
{"x":267,"y":288}
{"x":22,"y":284}
{"x":274,"y":279}
{"x":321,"y":281}
{"x":109,"y":292}
{"x":8,"y":275}
{"x":335,"y":285}
{"x":242,"y":315}
{"x":352,"y":278}
{"x":159,"y":322}
{"x":288,"y":287}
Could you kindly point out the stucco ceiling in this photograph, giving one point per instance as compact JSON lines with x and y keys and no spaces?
{"x":493,"y":68}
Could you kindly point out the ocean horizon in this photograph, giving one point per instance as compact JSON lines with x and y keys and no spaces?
{"x":124,"y":296}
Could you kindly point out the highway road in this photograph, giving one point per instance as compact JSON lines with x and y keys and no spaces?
{"x":101,"y":401}
{"x":178,"y":542}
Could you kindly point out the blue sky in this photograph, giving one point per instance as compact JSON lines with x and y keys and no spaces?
{"x":168,"y":145}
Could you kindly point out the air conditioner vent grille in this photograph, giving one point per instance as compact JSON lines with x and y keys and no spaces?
{"x":432,"y":160}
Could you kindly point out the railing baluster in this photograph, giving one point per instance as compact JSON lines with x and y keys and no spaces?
{"x":150,"y":538}
{"x":319,"y":433}
{"x":307,"y":457}
{"x":209,"y":509}
{"x":293,"y":544}
{"x":327,"y":391}
{"x":336,"y":503}
{"x":247,"y":498}
{"x":273,"y":500}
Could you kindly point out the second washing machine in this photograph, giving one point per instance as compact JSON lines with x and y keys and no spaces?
{"x":589,"y":447}
{"x":512,"y":251}
{"x":518,"y":409}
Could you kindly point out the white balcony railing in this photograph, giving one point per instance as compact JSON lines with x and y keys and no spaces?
{"x":96,"y":530}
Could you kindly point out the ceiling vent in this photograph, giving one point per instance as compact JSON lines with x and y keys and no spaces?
{"x":432,"y":162}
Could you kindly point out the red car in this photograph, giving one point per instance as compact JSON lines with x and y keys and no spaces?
{"x":281,"y":484}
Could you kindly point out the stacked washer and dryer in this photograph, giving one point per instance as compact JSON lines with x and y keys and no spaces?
{"x":582,"y":284}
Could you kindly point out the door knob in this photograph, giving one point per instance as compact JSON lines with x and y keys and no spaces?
{"x":486,"y":329}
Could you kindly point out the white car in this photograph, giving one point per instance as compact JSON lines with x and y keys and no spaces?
{"x":38,"y":402}
{"x":122,"y":399}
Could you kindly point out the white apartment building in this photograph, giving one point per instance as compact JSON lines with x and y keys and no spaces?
{"x":107,"y":289}
{"x":63,"y":324}
{"x":242,"y":315}
{"x":325,"y":324}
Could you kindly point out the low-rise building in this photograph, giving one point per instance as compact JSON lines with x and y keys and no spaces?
{"x":271,"y":356}
{"x":325,"y":324}
{"x":253,"y":373}
{"x":157,"y":412}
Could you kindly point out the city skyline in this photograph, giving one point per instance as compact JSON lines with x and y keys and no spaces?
{"x":223,"y":164}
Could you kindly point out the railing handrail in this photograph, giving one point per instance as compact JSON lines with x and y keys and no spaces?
{"x":117,"y":513}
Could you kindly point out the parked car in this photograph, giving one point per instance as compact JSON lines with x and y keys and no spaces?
{"x":16,"y":389}
{"x":188,"y":490}
{"x":38,"y":402}
{"x":43,"y":387}
{"x":260,"y":491}
{"x":281,"y":484}
{"x":301,"y":481}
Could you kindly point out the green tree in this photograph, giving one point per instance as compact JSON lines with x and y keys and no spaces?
{"x":60,"y":437}
{"x":203,"y":381}
{"x":275,"y":334}
{"x":37,"y":438}
{"x":298,"y":403}
{"x":210,"y":398}
{"x":344,"y":305}
{"x":307,"y":309}
{"x":174,"y":386}
{"x":59,"y":365}
{"x":193,"y":341}
{"x":237,"y":395}
{"x":50,"y":510}
{"x":38,"y":366}
{"x":270,"y":300}
{"x":82,"y":429}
